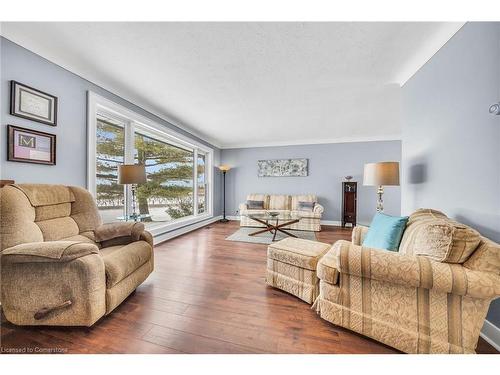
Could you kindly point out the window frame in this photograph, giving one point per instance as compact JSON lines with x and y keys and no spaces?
{"x":132,"y":121}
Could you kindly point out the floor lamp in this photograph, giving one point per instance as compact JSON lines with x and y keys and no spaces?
{"x":224,"y":169}
{"x":132,"y":174}
{"x":381,"y":174}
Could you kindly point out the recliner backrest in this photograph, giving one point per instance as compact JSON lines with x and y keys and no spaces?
{"x":42,"y":212}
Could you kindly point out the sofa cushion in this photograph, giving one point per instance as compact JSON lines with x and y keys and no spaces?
{"x":432,"y":234}
{"x":281,"y":213}
{"x":295,"y":199}
{"x":255,"y":205}
{"x":279,"y":202}
{"x":298,"y":252}
{"x":121,"y":261}
{"x":307,"y":214}
{"x":385,"y":232}
{"x":250,"y":212}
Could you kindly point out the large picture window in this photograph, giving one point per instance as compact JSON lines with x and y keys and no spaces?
{"x":169,"y":192}
{"x":177,"y":169}
{"x":110,"y":152}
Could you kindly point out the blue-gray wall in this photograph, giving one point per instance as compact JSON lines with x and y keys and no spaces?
{"x":328,"y":164}
{"x":451,"y":144}
{"x":24,"y":66}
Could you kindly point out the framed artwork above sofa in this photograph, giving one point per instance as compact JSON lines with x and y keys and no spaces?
{"x":283,"y":168}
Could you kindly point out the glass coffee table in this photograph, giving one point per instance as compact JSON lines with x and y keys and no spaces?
{"x":272,"y":222}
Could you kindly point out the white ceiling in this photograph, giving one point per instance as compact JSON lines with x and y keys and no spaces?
{"x":250,"y":84}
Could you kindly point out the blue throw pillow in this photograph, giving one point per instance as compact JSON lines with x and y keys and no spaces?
{"x":385,"y":232}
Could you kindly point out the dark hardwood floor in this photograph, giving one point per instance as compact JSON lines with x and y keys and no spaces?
{"x":206,"y":295}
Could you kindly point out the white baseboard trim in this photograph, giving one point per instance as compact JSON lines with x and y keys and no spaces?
{"x":491,"y":334}
{"x":331,"y":222}
{"x":322,"y":222}
{"x":189,"y":228}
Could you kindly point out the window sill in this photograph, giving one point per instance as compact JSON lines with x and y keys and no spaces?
{"x":176,"y":224}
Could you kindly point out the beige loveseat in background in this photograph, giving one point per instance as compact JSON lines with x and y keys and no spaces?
{"x":59,"y":264}
{"x":310,"y":220}
{"x":430,"y":297}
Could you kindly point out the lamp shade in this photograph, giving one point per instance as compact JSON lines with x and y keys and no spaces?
{"x":131,"y":174}
{"x":381,"y":174}
{"x":224,"y":168}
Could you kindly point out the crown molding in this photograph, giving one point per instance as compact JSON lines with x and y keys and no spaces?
{"x":318,"y":141}
{"x":427,"y":51}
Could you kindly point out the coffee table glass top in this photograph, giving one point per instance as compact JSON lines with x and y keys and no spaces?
{"x":270,"y":216}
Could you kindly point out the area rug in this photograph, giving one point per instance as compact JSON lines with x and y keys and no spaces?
{"x":241,"y":235}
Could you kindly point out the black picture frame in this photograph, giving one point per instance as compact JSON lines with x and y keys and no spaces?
{"x":15,"y":104}
{"x":11,"y":151}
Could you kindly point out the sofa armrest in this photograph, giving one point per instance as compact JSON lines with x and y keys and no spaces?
{"x":47,"y":252}
{"x":110,"y":231}
{"x":412,"y":271}
{"x":243,"y":207}
{"x":358,"y":234}
{"x":319,"y":209}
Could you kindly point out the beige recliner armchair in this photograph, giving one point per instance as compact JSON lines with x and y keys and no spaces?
{"x":59,"y":264}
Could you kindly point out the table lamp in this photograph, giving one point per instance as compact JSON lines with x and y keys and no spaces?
{"x":132,"y":174}
{"x":381,"y":174}
{"x":224,"y":169}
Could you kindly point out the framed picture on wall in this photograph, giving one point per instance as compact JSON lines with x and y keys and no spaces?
{"x":32,"y":104}
{"x":30,"y":146}
{"x":283,"y":168}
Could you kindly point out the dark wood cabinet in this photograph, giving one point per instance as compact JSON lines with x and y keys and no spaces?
{"x":349,"y":203}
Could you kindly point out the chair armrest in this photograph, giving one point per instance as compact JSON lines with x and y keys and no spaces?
{"x":412,"y":271}
{"x":146,"y":236}
{"x":243,"y":207}
{"x":110,"y":231}
{"x":358,"y":234}
{"x":319,"y":209}
{"x":47,"y":252}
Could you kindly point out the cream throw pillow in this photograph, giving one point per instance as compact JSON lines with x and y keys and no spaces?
{"x":445,"y":240}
